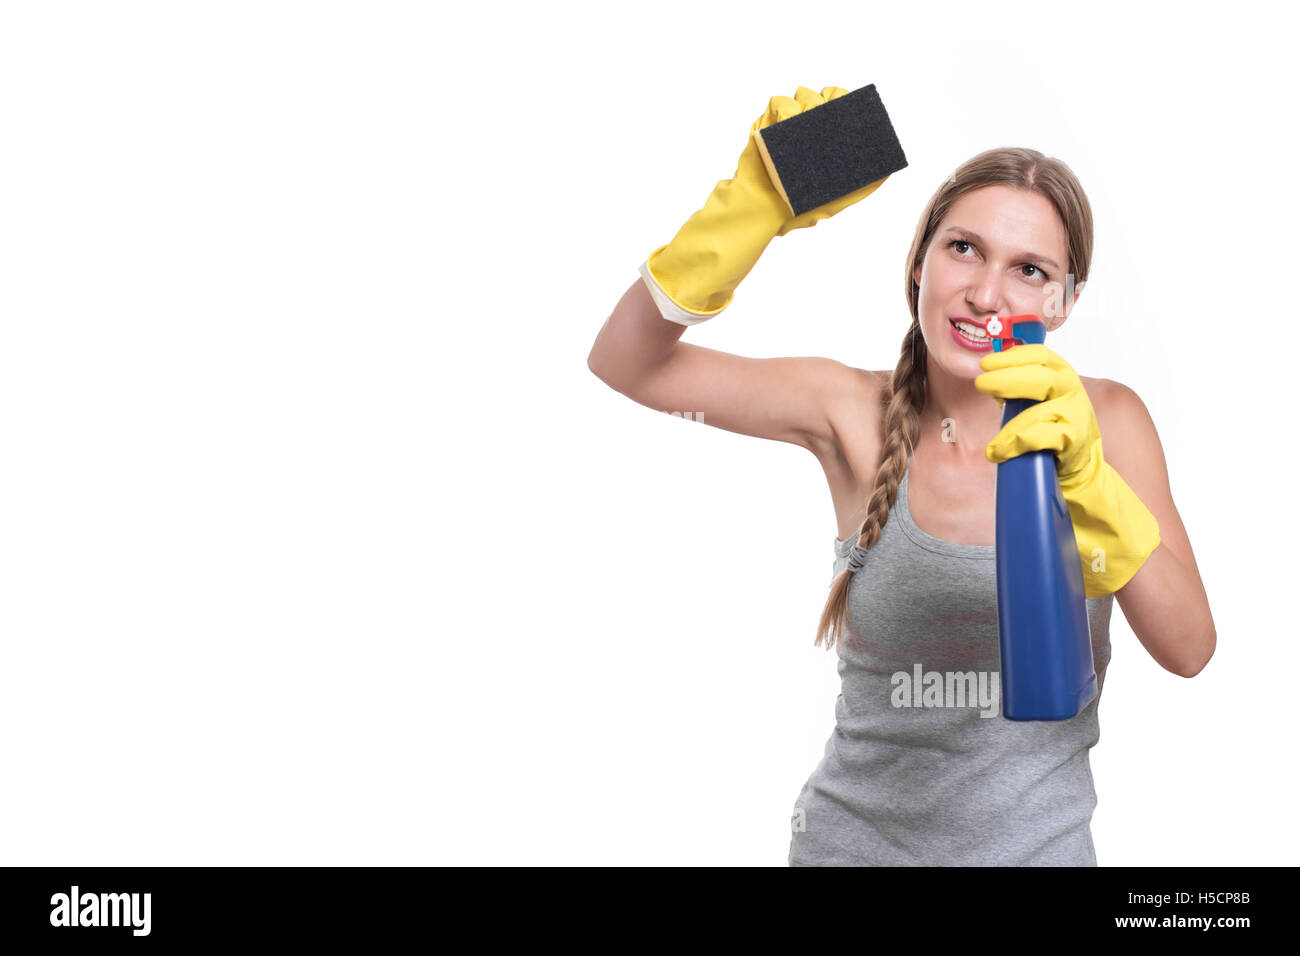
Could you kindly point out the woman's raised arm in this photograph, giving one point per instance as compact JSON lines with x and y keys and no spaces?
{"x":638,"y":354}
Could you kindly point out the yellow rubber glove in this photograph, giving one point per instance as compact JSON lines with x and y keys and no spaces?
{"x":695,"y":276}
{"x":1113,"y":529}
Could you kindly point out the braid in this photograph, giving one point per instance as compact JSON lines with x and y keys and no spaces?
{"x":901,"y":414}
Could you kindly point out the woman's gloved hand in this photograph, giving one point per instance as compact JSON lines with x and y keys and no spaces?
{"x":695,"y":276}
{"x":1114,"y":530}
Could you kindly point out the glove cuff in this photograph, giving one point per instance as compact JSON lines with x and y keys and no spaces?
{"x":669,"y":309}
{"x":1114,"y":530}
{"x":713,"y":251}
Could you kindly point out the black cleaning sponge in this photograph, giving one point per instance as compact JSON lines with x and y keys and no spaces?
{"x":829,"y":151}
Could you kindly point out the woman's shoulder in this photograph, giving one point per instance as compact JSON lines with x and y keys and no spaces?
{"x":874,"y":382}
{"x":1115,"y":399}
{"x":1127,"y":429}
{"x":863,"y":384}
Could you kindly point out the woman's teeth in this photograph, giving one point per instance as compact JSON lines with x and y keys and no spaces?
{"x":972,"y":331}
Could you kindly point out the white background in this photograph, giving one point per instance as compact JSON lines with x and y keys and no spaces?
{"x":319,"y":543}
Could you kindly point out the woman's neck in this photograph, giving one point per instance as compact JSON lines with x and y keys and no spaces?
{"x":958,"y":420}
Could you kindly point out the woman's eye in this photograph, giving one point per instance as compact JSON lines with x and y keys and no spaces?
{"x":1037,"y":274}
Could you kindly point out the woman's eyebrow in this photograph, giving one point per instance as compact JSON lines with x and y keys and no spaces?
{"x":1032,"y":257}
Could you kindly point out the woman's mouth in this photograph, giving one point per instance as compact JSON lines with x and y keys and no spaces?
{"x":970,"y":336}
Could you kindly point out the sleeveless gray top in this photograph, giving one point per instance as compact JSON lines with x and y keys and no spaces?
{"x":921,"y":768}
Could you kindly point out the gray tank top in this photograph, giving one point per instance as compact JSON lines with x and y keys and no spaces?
{"x":921,"y":768}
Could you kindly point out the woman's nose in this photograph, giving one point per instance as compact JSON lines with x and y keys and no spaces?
{"x":986,"y":293}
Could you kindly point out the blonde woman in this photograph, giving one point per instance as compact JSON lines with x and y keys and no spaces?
{"x":911,"y":776}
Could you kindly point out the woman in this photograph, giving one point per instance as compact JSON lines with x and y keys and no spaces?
{"x":921,"y":769}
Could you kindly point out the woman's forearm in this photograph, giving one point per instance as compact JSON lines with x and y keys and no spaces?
{"x":635,"y":339}
{"x":1166,"y":605}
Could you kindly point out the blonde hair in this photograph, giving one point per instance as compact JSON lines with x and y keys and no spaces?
{"x":902,"y":403}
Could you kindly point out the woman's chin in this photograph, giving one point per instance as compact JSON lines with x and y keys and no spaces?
{"x":962,"y":365}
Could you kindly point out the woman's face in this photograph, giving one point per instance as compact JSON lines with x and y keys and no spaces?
{"x":994,"y":253}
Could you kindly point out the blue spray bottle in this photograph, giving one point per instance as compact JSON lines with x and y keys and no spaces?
{"x":1047,"y":668}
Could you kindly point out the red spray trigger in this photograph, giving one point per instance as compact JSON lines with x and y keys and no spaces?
{"x":1006,"y":331}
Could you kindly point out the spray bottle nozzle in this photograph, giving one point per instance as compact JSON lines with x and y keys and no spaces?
{"x":1006,"y":331}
